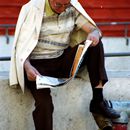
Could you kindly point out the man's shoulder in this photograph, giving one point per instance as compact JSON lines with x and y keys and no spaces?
{"x":27,"y":5}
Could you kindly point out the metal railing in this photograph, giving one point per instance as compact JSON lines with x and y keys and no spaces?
{"x":7,"y":27}
{"x":126,"y":24}
{"x":5,"y":58}
{"x":119,"y":54}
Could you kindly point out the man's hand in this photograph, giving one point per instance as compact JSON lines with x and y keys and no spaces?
{"x":94,"y":36}
{"x":31,"y":71}
{"x":93,"y":33}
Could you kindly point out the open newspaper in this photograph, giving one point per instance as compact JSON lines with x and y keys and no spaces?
{"x":52,"y":82}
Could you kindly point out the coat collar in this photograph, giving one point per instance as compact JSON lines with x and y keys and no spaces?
{"x":38,"y":4}
{"x":41,"y":3}
{"x":79,"y":8}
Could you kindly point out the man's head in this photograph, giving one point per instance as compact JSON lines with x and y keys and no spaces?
{"x":59,"y":5}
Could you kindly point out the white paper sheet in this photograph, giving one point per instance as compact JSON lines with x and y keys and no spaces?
{"x":52,"y":82}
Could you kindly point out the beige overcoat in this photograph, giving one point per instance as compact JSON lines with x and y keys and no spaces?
{"x":26,"y":37}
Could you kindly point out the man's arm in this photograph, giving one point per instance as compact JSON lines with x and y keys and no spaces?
{"x":93,"y":33}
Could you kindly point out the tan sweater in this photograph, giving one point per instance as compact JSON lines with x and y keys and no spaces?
{"x":55,"y":33}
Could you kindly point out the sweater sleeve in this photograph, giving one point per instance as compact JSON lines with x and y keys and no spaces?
{"x":80,"y":20}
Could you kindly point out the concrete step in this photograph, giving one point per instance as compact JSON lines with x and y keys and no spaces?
{"x":4,"y":74}
{"x":71,"y":104}
{"x":118,"y":74}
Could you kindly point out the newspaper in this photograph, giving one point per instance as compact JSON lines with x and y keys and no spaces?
{"x":80,"y":58}
{"x":52,"y":82}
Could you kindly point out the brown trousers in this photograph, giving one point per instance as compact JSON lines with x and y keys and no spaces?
{"x":60,"y":67}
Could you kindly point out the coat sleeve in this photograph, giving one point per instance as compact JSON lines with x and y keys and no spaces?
{"x":13,"y":80}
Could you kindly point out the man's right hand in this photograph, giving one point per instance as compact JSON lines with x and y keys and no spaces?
{"x":31,"y":71}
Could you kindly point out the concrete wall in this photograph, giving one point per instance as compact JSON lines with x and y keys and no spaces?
{"x":111,"y":44}
{"x":72,"y":101}
{"x":71,"y":104}
{"x":116,"y":45}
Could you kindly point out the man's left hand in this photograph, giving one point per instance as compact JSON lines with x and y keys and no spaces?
{"x":94,"y":36}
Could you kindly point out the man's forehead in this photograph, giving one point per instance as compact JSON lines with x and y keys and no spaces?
{"x":62,"y":1}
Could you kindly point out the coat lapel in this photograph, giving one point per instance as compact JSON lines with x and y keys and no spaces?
{"x":79,"y":8}
{"x":39,"y":10}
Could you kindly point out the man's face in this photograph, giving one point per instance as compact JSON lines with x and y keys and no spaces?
{"x":59,"y":5}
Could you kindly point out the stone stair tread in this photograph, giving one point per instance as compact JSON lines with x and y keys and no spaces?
{"x":119,"y":74}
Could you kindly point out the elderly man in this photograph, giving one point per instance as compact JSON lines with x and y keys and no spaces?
{"x":46,"y":38}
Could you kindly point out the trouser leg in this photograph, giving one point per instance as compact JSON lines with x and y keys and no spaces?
{"x":42,"y":115}
{"x":95,"y":63}
{"x":57,"y":67}
{"x":94,"y":59}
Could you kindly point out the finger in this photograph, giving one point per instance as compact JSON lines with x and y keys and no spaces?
{"x":31,"y":78}
{"x":37,"y":72}
{"x":94,"y":43}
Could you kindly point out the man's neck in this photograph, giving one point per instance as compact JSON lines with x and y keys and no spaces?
{"x":48,"y":9}
{"x":51,"y":5}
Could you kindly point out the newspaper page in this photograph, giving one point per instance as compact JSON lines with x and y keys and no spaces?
{"x":52,"y":82}
{"x":78,"y":60}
